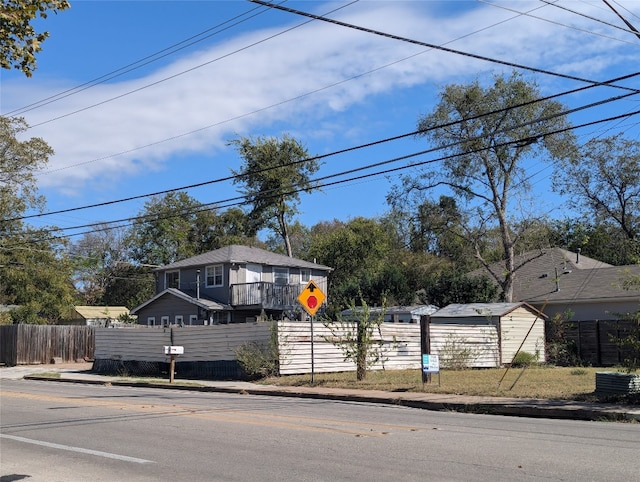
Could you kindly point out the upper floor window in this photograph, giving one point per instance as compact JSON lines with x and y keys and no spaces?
{"x":305,"y":275}
{"x":172,"y":279}
{"x":214,"y":276}
{"x":281,"y":276}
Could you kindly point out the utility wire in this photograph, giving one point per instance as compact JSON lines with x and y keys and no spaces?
{"x":167,"y":51}
{"x":323,"y":18}
{"x":171,"y":77}
{"x":292,"y":99}
{"x":241,"y":200}
{"x":349,"y":149}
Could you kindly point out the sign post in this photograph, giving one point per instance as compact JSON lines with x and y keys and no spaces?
{"x":311,"y":298}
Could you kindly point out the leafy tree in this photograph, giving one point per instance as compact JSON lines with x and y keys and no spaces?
{"x":487,"y":134}
{"x":19,"y":42}
{"x":95,"y":256}
{"x":36,"y":276}
{"x":356,"y":250}
{"x":34,"y":271}
{"x":128,"y":285}
{"x":177,"y":226}
{"x":273,"y":173}
{"x":605,"y":242}
{"x":604,"y":180}
{"x":451,"y":286}
{"x":19,"y":161}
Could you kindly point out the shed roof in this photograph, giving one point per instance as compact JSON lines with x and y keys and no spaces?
{"x":243,"y":254}
{"x":101,"y":312}
{"x":481,"y":310}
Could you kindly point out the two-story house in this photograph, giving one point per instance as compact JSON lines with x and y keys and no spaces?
{"x":234,"y":284}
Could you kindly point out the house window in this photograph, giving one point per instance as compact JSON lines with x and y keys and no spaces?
{"x":214,"y":276}
{"x":281,"y":276}
{"x":305,"y":276}
{"x":193,"y":319}
{"x":164,"y":321}
{"x":179,"y":320}
{"x":172,"y":279}
{"x":151,"y":321}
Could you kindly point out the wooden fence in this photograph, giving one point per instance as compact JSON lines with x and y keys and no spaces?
{"x":595,"y":341}
{"x":35,"y":344}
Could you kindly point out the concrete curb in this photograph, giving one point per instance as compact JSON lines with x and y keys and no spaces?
{"x":570,"y":410}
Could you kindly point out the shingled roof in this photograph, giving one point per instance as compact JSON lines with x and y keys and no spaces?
{"x":555,"y":274}
{"x":242,"y":254}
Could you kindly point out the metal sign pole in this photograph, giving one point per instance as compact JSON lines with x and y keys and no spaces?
{"x":312,"y":357}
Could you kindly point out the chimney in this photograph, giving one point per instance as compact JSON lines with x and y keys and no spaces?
{"x":578,"y":255}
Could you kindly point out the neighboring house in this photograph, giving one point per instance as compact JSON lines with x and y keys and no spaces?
{"x":557,"y":281}
{"x":95,"y":315}
{"x":399,"y":314}
{"x":485,"y":335}
{"x":234,"y":284}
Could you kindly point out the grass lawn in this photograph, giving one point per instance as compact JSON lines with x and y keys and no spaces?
{"x":533,"y":382}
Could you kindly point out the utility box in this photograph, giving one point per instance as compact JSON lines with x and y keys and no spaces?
{"x":173,"y":350}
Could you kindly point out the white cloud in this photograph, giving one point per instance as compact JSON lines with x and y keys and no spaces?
{"x":222,"y":92}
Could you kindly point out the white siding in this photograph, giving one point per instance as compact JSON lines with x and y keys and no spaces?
{"x":480,"y":341}
{"x":514,"y":329}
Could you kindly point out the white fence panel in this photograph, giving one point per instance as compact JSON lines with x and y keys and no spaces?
{"x":401,"y":348}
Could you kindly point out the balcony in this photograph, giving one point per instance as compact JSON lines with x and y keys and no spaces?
{"x":265,"y":295}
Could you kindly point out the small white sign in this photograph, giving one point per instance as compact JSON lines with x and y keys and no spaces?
{"x":173,"y":350}
{"x":430,"y":364}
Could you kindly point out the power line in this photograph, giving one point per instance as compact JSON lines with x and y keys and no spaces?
{"x":183,"y":44}
{"x":241,"y":200}
{"x":349,"y":149}
{"x":323,"y":18}
{"x":171,"y":77}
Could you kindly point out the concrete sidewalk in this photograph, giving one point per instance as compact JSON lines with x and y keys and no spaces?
{"x":538,"y":408}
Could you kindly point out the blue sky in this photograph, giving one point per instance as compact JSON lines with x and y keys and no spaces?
{"x":260,"y":72}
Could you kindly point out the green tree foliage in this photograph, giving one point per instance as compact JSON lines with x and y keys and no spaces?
{"x":604,"y":181}
{"x":34,"y":271}
{"x":450,"y":286}
{"x":36,"y":276}
{"x":271,"y":177}
{"x":176,"y":226}
{"x":487,"y":134}
{"x":19,"y":42}
{"x":19,"y":162}
{"x":128,"y":285}
{"x":605,"y":241}
{"x":356,"y":250}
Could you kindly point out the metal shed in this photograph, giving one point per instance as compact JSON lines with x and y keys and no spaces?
{"x":486,"y":335}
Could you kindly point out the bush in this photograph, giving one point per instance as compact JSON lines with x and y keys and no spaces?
{"x":524,"y":359}
{"x":260,"y":360}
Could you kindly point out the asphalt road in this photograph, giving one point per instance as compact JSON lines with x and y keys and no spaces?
{"x":67,"y":432}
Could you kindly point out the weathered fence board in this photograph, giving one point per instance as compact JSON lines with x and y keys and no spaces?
{"x":23,"y":344}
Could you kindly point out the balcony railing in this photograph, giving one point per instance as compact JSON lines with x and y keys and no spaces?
{"x":265,"y":295}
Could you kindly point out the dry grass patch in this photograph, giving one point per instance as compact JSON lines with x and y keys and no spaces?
{"x":534,"y":382}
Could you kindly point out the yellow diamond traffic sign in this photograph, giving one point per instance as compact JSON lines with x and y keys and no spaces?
{"x":311,"y":298}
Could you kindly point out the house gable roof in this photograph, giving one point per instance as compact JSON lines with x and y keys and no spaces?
{"x":206,"y":303}
{"x":556,"y":275}
{"x":241,"y":255}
